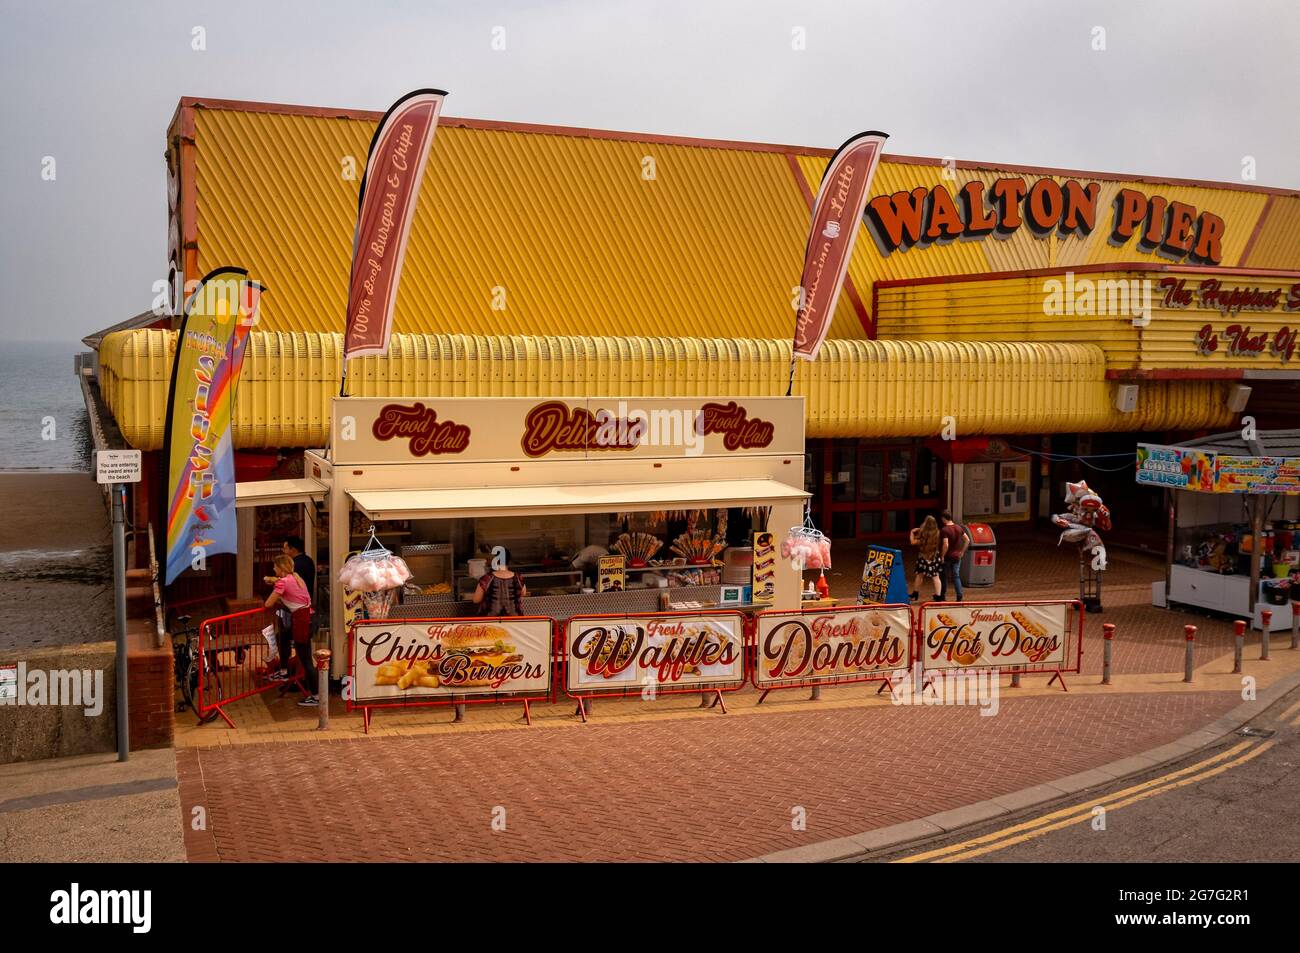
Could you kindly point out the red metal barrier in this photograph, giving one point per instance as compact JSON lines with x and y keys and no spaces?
{"x":1056,"y":669}
{"x":883,"y":674}
{"x":233,"y":654}
{"x":464,"y":696}
{"x":707,"y":687}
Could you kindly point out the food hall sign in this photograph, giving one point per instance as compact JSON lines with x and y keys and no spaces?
{"x":420,"y":425}
{"x":924,"y":216}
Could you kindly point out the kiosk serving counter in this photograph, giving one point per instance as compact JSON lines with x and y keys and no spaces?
{"x":546,"y":478}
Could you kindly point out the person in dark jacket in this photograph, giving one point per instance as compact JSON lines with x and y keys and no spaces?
{"x":500,"y":591}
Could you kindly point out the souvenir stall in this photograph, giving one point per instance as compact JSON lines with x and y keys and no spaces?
{"x":1234,"y":523}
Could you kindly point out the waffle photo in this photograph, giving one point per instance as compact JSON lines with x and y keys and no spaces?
{"x":577,"y":432}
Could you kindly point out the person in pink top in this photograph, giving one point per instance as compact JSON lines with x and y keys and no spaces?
{"x":291,"y":592}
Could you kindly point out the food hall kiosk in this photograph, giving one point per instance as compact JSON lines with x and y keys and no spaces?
{"x":449,"y":478}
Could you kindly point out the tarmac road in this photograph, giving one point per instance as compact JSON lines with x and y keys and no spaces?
{"x":1238,"y":801}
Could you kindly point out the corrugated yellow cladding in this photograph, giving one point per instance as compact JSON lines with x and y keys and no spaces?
{"x":572,"y":235}
{"x":1278,"y":243}
{"x":1024,"y":308}
{"x":585,"y":234}
{"x":855,"y":388}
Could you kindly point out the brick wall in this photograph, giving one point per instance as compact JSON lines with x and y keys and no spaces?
{"x":151,"y":698}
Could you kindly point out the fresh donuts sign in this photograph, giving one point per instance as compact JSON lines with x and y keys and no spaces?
{"x":832,"y":645}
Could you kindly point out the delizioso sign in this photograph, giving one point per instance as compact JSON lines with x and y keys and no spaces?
{"x":403,"y":662}
{"x":659,"y":653}
{"x":367,"y":430}
{"x":924,"y":216}
{"x":821,"y":646}
{"x":991,"y":635}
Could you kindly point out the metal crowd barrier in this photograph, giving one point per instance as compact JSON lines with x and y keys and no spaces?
{"x":233,"y":657}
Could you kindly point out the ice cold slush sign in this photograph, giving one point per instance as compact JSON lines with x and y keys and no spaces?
{"x":993,"y":636}
{"x":834,"y":645}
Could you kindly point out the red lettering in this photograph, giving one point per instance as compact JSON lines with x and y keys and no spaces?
{"x":1045,"y":205}
{"x":1008,"y":194}
{"x":945,"y":221}
{"x":1182,"y":217}
{"x":1080,"y":207}
{"x":420,"y":425}
{"x":979,"y":220}
{"x":895,"y":220}
{"x":1209,"y":239}
{"x":1130,"y":211}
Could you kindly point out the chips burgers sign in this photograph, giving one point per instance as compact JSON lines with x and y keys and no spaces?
{"x":993,"y":635}
{"x":400,"y":661}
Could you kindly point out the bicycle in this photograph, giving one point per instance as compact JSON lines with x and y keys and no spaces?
{"x":185,"y":664}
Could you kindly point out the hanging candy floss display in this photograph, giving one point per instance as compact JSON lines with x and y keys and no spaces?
{"x":377,"y":575}
{"x":809,"y":551}
{"x":364,"y":573}
{"x":807,"y":546}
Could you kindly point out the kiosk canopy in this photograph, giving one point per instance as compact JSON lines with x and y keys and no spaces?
{"x":508,"y":501}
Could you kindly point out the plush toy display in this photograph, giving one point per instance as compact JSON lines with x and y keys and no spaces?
{"x":1085,"y":516}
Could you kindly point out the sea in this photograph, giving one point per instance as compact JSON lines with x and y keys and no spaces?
{"x":43,"y":424}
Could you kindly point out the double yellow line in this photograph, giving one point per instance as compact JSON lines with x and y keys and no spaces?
{"x":1232,"y":757}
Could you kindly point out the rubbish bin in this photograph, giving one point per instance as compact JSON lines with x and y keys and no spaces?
{"x":980,"y":560}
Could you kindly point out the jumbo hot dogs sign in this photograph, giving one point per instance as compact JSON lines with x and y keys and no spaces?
{"x":994,"y":636}
{"x":455,"y":430}
{"x":629,"y":654}
{"x":397,"y":661}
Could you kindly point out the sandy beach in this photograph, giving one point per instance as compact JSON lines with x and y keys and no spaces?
{"x":56,"y":561}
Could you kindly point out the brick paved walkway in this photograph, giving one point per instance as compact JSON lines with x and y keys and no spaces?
{"x":666,"y":781}
{"x":701,"y":789}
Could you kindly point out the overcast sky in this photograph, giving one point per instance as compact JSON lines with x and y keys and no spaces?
{"x":1183,"y":88}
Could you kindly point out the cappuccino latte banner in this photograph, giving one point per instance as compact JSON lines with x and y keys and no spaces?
{"x":397,"y":661}
{"x":372,"y":430}
{"x":997,"y":635}
{"x":832,"y":645}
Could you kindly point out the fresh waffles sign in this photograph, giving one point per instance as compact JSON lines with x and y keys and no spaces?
{"x":993,"y":635}
{"x":832,"y":645}
{"x":628,"y":654}
{"x":398,"y":662}
{"x":936,"y":215}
